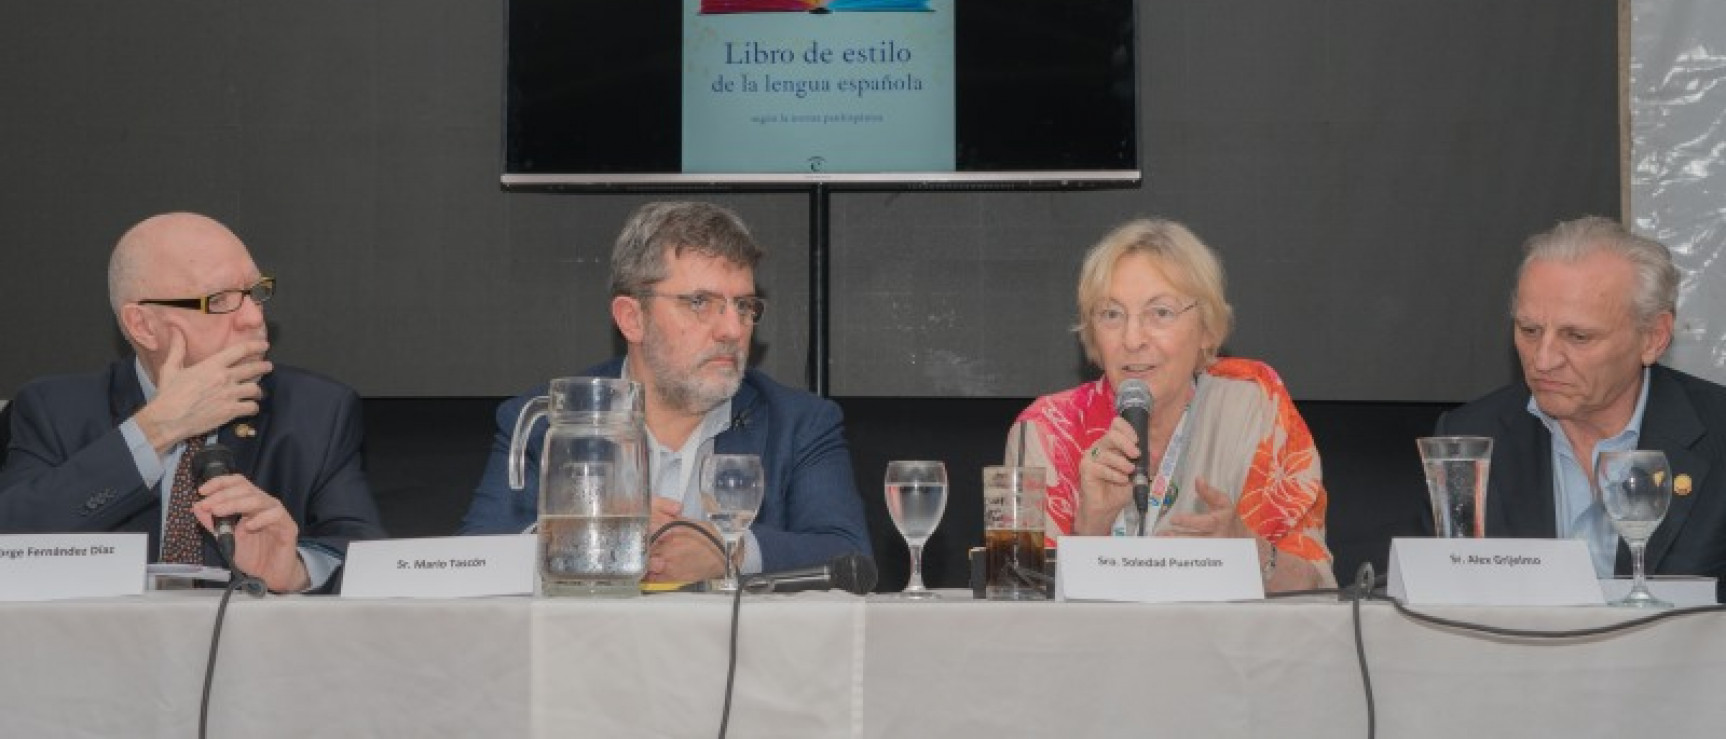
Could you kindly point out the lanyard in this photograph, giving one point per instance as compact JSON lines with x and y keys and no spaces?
{"x":1163,"y":489}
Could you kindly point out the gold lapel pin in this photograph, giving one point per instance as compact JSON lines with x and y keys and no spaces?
{"x":1681,"y":485}
{"x":245,"y":431}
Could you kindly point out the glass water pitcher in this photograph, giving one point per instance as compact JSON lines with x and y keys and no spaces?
{"x":594,"y":494}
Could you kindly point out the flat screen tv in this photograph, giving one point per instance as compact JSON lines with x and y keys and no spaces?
{"x":696,"y":94}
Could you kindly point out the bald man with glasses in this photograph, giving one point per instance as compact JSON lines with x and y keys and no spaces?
{"x":111,"y":450}
{"x":684,"y":299}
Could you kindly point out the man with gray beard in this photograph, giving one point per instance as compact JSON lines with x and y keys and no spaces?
{"x":683,"y":297}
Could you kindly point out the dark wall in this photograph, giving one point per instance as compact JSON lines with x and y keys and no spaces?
{"x":1367,"y":170}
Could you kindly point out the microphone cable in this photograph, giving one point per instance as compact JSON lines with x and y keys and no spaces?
{"x":1354,"y":595}
{"x":1628,"y":625}
{"x":1367,"y":587}
{"x":736,"y":609}
{"x":1362,"y":590}
{"x":237,"y":580}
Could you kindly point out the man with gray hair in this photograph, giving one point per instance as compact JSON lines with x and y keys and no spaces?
{"x":683,"y":296}
{"x":1593,"y":310}
{"x":112,"y":450}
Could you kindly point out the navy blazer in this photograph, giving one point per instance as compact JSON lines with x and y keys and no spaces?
{"x":810,"y":512}
{"x":1685,"y":417}
{"x":68,"y":468}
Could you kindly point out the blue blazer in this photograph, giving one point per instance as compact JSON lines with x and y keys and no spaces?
{"x":68,"y":468}
{"x":1685,"y":418}
{"x":809,"y":514}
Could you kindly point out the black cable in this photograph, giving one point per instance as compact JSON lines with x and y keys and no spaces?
{"x":1362,"y":590}
{"x":731,"y":661}
{"x":234,"y":582}
{"x":1029,"y":577}
{"x":736,"y":608}
{"x":691,"y":525}
{"x":1537,"y":634}
{"x":237,"y":579}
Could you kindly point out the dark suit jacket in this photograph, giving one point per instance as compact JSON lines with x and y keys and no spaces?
{"x":810,"y":512}
{"x":1685,"y":418}
{"x":68,"y":468}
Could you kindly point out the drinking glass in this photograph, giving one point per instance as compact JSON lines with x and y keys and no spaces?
{"x":1013,"y":499}
{"x":1635,"y":487}
{"x":731,"y":490}
{"x":916,"y":498}
{"x":1456,"y":473}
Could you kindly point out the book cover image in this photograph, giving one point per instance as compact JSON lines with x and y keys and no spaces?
{"x":716,"y":7}
{"x":768,"y":91}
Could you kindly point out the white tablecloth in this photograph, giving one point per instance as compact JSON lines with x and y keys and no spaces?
{"x":824,"y":665}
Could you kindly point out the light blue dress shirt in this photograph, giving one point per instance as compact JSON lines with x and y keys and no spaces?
{"x":319,"y":564}
{"x":1578,"y":510}
{"x":673,"y":472}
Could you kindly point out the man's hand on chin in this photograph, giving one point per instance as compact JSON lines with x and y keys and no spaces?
{"x":192,"y":400}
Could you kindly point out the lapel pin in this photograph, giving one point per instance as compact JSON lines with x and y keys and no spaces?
{"x":1681,"y":485}
{"x":245,"y":431}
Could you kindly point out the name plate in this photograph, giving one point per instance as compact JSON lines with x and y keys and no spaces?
{"x":1493,"y":572}
{"x":1157,"y":569}
{"x":440,"y":567}
{"x":58,"y":566}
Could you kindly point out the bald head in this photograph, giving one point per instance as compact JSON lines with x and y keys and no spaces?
{"x":168,"y":256}
{"x":179,"y":256}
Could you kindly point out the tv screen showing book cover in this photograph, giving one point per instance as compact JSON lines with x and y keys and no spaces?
{"x":773,"y":93}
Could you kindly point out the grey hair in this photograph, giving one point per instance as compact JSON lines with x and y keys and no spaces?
{"x":127,"y":264}
{"x":656,"y":231}
{"x":1656,"y":276}
{"x":123,"y":275}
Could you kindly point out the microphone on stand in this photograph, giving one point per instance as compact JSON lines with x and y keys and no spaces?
{"x":1133,"y":402}
{"x":851,"y":572}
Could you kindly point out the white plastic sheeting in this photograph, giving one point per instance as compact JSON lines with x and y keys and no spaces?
{"x":1678,"y":163}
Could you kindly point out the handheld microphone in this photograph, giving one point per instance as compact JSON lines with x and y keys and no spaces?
{"x":210,"y":462}
{"x":851,"y":572}
{"x":1133,"y":402}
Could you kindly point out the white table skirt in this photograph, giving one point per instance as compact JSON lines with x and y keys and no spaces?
{"x":824,"y":665}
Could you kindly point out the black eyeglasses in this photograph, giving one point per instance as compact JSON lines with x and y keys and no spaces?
{"x":707,"y":305}
{"x":222,"y":301}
